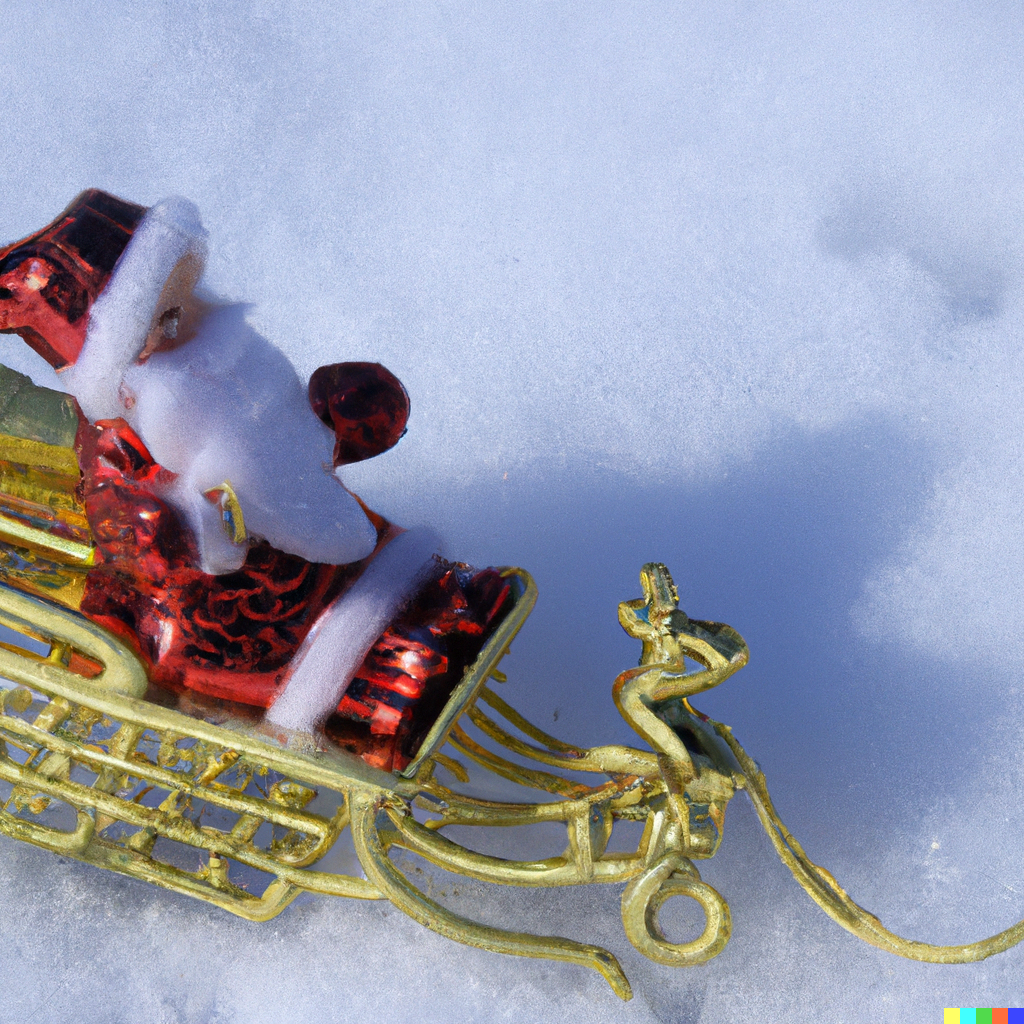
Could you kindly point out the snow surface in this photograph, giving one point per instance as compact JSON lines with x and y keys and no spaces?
{"x":735,"y":286}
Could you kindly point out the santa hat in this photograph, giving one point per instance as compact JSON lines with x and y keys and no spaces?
{"x":84,"y":291}
{"x":89,"y":289}
{"x":49,"y":281}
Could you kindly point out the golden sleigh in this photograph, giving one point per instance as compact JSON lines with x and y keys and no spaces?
{"x":90,"y":769}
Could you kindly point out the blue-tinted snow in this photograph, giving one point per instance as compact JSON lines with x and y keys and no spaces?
{"x":732,"y":286}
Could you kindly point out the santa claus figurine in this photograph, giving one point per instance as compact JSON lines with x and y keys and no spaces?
{"x":230,"y":554}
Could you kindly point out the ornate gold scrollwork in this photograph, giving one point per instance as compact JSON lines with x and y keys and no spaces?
{"x":678,"y":790}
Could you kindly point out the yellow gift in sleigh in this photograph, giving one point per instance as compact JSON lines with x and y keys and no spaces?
{"x":206,"y":799}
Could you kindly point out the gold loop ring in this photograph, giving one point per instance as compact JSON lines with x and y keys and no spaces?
{"x":673,"y":875}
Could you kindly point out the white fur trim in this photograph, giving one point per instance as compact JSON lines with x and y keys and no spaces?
{"x":122,"y":315}
{"x":336,"y":646}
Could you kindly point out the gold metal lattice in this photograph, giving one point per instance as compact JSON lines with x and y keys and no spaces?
{"x":94,"y":771}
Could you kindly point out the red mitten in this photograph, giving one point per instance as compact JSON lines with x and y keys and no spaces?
{"x":364,"y":404}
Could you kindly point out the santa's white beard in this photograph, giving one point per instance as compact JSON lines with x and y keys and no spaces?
{"x":228,"y":406}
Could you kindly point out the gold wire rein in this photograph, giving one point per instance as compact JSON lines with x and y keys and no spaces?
{"x":819,"y":884}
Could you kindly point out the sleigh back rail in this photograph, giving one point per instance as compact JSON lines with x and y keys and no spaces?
{"x":45,"y":543}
